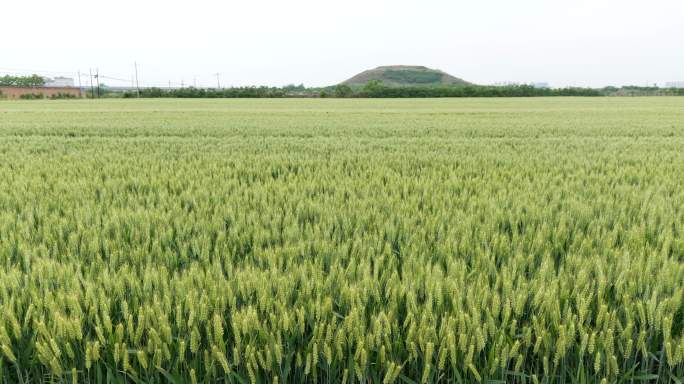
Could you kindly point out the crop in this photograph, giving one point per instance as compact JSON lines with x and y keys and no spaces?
{"x":527,"y":241}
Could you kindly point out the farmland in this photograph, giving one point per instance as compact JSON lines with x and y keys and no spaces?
{"x":450,"y":240}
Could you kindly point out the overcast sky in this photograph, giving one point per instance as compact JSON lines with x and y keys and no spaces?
{"x":319,"y":42}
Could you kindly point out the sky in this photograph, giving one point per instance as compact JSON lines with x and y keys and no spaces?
{"x":321,"y":42}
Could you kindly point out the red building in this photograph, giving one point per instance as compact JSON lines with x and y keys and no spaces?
{"x":39,"y":92}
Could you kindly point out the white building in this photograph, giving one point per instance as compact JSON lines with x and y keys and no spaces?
{"x":675,"y":84}
{"x":59,"y":82}
{"x":516,"y":84}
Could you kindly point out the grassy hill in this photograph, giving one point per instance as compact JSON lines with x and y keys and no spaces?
{"x":405,"y":75}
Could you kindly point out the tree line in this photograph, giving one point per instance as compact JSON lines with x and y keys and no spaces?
{"x":372,"y":89}
{"x":236,"y":92}
{"x":376,"y":89}
{"x":22,"y":81}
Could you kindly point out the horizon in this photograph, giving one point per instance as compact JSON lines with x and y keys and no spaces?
{"x":85,"y":79}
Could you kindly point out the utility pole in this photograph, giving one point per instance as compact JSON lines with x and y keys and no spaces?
{"x":169,"y":84}
{"x":80,"y":88}
{"x":90,"y":79}
{"x":182,"y":84}
{"x":137,"y":85}
{"x":218,"y":81}
{"x":194,"y":82}
{"x":97,"y":78}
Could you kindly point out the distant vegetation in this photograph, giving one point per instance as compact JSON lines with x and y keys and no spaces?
{"x":239,"y":92}
{"x":40,"y":96}
{"x":378,"y":89}
{"x":373,"y":89}
{"x":399,"y":82}
{"x":22,"y":81}
{"x":631,"y":90}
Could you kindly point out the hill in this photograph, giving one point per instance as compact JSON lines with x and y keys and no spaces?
{"x":405,"y":75}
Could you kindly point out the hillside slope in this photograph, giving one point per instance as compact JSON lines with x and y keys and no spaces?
{"x":405,"y":75}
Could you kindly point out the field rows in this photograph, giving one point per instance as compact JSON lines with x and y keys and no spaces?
{"x":504,"y":240}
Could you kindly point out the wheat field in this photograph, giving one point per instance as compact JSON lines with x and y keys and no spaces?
{"x":326,"y":241}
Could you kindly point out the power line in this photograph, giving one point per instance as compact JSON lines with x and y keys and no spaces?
{"x":97,"y":77}
{"x":137,"y":85}
{"x":94,"y":76}
{"x":92,"y":90}
{"x":114,"y":78}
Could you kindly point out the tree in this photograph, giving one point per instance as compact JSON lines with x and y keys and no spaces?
{"x":343,"y":90}
{"x":373,"y":86}
{"x":22,"y":81}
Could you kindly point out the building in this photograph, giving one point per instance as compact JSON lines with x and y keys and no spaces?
{"x":59,"y":82}
{"x":516,"y":84}
{"x":675,"y":84}
{"x":39,"y":92}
